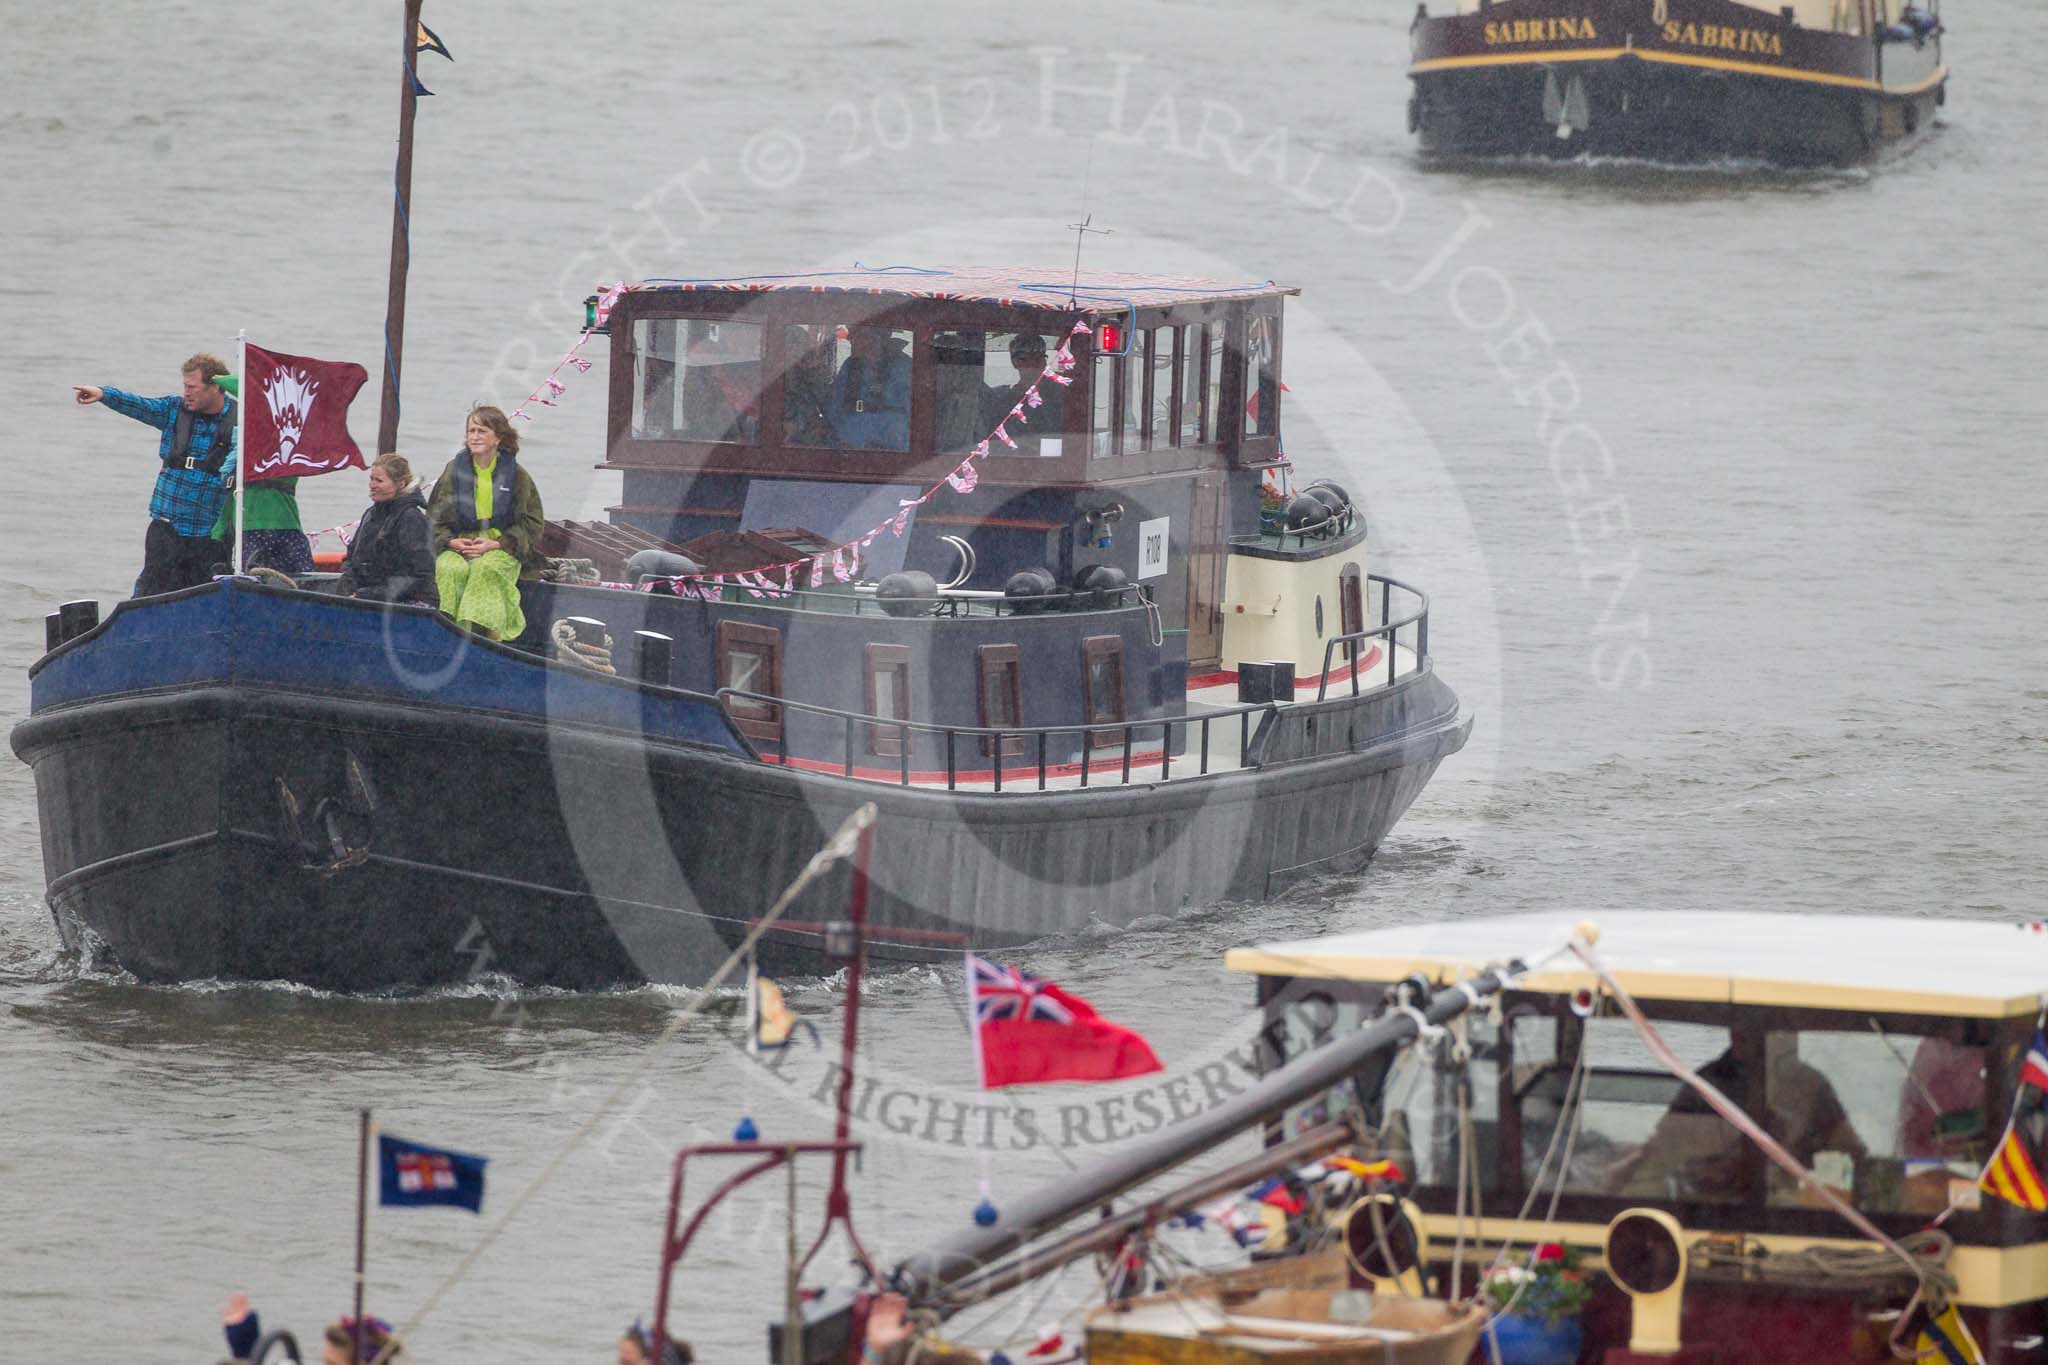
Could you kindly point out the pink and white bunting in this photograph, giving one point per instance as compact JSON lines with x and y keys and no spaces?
{"x":844,"y":560}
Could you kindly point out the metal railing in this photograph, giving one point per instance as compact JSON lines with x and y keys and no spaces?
{"x":992,"y":740}
{"x":1416,"y":622}
{"x":1254,"y":741}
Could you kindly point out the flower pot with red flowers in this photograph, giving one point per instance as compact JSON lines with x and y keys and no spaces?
{"x":1536,"y":1301}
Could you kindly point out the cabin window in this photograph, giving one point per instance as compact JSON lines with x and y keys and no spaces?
{"x":1102,"y":687}
{"x":888,"y":688}
{"x":1119,"y":386}
{"x":1421,"y":1128}
{"x":1000,"y":686}
{"x":1262,"y":375}
{"x":1212,"y":384}
{"x":750,"y":660}
{"x":1313,"y":1014}
{"x":846,"y":386}
{"x":1159,"y":396}
{"x":1102,"y":408}
{"x":695,"y":380}
{"x":1350,"y":607}
{"x":1889,"y":1119}
{"x":1192,"y":429}
{"x":1645,"y":1134}
{"x":982,"y":376}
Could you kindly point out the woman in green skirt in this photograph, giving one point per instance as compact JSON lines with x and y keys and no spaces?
{"x":487,"y":519}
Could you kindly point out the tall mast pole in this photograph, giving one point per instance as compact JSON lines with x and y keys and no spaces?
{"x":401,"y":251}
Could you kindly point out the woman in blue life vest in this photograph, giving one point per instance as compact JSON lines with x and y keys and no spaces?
{"x":486,"y":518}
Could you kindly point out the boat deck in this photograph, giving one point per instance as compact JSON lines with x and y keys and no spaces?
{"x":1210,"y":737}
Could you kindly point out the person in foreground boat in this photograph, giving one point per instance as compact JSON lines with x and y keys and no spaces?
{"x":487,"y":520}
{"x":198,"y":426}
{"x":391,"y":558}
{"x":636,"y":1347}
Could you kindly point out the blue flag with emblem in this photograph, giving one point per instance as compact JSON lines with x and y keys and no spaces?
{"x":410,"y":1174}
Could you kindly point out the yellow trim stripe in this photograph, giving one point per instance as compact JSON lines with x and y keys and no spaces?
{"x":1986,"y":1277}
{"x":1601,"y":54}
{"x":1576,"y":54}
{"x":1698,"y":986}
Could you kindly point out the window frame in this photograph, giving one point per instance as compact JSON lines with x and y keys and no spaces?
{"x":758,"y":720}
{"x":885,"y":741}
{"x":1151,"y":437}
{"x":1096,"y":647}
{"x":1010,"y":659}
{"x":1351,"y":608}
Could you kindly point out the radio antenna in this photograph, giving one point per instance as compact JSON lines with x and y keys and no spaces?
{"x":1082,"y":228}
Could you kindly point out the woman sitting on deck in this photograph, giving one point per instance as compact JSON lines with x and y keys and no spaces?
{"x":391,"y":558}
{"x":486,"y":518}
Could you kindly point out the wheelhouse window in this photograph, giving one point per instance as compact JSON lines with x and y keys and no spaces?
{"x":750,"y":660}
{"x":696,"y":380}
{"x":1421,"y":1129}
{"x":1117,"y":382}
{"x":846,"y":386}
{"x":1262,"y":375}
{"x":999,"y":684}
{"x":982,"y":376}
{"x":1645,"y":1135}
{"x":1212,"y":383}
{"x":1105,"y":408}
{"x":1890,"y":1120}
{"x":1193,"y":428}
{"x":888,"y":696}
{"x":1159,"y":398}
{"x":1350,"y":607}
{"x":1102,"y":686}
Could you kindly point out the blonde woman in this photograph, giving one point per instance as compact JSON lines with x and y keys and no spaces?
{"x":391,"y":558}
{"x":486,"y":519}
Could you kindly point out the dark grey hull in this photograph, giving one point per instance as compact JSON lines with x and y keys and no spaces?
{"x":578,"y":856}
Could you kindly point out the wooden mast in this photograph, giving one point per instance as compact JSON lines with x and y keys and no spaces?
{"x":401,"y":252}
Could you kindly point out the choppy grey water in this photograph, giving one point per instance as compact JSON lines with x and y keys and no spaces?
{"x":1748,"y":617}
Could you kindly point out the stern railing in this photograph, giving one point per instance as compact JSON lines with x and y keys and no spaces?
{"x":1267,"y":733}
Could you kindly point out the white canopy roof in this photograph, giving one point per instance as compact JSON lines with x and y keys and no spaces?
{"x":1978,"y":968}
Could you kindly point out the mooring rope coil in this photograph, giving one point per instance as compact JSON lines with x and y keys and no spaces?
{"x":570,"y":649}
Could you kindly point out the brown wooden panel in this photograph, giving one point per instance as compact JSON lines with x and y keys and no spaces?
{"x":1205,"y":575}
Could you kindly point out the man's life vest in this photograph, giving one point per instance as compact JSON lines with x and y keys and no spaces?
{"x":180,"y":455}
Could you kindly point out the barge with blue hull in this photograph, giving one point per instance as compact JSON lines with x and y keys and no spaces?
{"x":1105,"y":675}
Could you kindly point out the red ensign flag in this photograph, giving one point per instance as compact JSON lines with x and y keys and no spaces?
{"x":295,"y":415}
{"x":1027,"y":1031}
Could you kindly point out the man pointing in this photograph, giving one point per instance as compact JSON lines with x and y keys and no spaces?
{"x":196,"y":449}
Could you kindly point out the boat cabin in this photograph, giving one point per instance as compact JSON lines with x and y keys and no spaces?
{"x":962,"y":527}
{"x":1884,"y":1053}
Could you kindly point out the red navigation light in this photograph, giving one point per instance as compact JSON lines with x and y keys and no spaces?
{"x":1109,"y":337}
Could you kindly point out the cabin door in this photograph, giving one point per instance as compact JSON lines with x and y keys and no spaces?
{"x":1205,"y":575}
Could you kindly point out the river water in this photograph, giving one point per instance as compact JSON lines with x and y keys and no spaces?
{"x":1722,"y":481}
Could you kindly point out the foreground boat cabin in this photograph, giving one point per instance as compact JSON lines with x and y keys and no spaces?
{"x":1883,"y":1053}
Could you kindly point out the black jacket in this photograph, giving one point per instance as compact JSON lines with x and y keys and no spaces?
{"x":392,"y":557}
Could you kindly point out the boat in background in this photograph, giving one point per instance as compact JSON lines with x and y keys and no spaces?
{"x":1808,"y":82}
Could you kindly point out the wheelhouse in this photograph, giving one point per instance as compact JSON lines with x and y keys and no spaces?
{"x":1883,"y":1053}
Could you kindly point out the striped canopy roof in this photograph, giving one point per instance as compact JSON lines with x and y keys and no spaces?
{"x":1095,"y":291}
